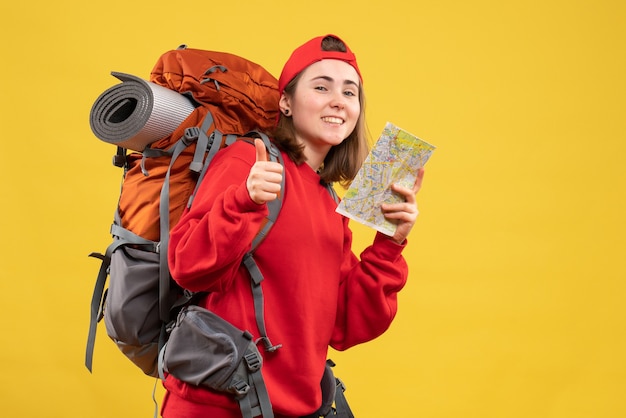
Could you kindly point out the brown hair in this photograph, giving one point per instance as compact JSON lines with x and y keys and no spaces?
{"x":342,"y":161}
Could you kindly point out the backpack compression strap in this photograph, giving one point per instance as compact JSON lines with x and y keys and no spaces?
{"x":202,"y":144}
{"x":256,"y":276}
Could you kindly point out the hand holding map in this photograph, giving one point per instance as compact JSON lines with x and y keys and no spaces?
{"x":395,"y":158}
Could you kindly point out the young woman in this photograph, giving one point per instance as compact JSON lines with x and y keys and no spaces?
{"x":317,"y":292}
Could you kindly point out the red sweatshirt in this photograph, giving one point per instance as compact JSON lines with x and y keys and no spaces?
{"x":317,"y":292}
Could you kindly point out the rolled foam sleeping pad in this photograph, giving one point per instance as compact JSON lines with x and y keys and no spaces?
{"x":137,"y":112}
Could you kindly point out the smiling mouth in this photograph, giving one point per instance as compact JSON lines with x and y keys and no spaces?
{"x":333,"y":120}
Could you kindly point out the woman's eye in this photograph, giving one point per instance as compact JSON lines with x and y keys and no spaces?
{"x":321,"y":88}
{"x":349,"y":93}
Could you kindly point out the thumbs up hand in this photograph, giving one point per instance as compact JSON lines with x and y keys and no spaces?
{"x":264,"y":180}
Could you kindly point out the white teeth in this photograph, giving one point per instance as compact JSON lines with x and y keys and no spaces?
{"x":330,"y":119}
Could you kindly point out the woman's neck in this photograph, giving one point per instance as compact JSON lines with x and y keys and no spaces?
{"x":315,"y":155}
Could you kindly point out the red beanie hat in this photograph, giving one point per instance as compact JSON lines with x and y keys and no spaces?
{"x":310,"y":53}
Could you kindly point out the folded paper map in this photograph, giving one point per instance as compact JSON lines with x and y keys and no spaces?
{"x":394,"y":159}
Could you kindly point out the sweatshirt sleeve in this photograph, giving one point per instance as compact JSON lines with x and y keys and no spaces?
{"x":208,"y":243}
{"x":368,"y":293}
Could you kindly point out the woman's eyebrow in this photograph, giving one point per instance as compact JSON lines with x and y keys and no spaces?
{"x":330,"y":80}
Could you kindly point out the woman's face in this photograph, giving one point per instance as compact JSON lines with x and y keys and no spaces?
{"x":325,"y":105}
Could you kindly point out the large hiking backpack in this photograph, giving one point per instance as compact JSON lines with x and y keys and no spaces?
{"x":226,"y":97}
{"x":167,"y":131}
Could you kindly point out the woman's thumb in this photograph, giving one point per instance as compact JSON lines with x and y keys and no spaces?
{"x":261,"y":151}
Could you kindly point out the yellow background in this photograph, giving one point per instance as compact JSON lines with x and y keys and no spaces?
{"x":514,"y":307}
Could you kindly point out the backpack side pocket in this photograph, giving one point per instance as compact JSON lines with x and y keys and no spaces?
{"x":131,"y":313}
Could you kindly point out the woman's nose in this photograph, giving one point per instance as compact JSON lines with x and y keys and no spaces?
{"x":338,"y":101}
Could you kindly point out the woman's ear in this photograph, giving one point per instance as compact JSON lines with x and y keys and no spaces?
{"x":285,"y":105}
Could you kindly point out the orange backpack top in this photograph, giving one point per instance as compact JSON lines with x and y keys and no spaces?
{"x":246,"y":94}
